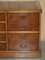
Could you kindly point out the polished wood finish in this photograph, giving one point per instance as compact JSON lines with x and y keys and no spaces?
{"x":2,"y":27}
{"x":23,"y":22}
{"x":2,"y":37}
{"x":20,"y":29}
{"x":2,"y":16}
{"x":2,"y":47}
{"x":23,"y":42}
{"x":20,"y":54}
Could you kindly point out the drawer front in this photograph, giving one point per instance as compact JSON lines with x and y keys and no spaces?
{"x":23,"y":21}
{"x":2,"y":27}
{"x":2,"y":37}
{"x":2,"y":47}
{"x":23,"y":42}
{"x":2,"y":16}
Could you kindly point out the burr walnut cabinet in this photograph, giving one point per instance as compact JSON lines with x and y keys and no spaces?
{"x":20,"y":29}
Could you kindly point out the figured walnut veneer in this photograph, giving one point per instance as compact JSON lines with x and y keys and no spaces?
{"x":20,"y":29}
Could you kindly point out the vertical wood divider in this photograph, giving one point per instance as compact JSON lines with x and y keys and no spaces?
{"x":40,"y":31}
{"x":6,"y":31}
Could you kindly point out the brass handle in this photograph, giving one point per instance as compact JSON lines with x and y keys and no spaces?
{"x":23,"y":46}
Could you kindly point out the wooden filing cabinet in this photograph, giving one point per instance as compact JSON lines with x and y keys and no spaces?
{"x":20,"y":29}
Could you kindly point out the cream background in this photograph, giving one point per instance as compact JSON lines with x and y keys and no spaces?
{"x":42,"y":2}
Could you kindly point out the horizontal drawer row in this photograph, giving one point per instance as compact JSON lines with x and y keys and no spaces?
{"x":13,"y":27}
{"x":19,"y":35}
{"x":20,"y":42}
{"x":19,"y":15}
{"x":20,"y":22}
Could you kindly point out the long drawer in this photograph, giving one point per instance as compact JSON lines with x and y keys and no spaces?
{"x":23,"y":21}
{"x":23,"y":42}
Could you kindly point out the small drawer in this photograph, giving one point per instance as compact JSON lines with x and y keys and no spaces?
{"x":2,"y":16}
{"x":23,"y":21}
{"x":2,"y":27}
{"x":2,"y":47}
{"x":2,"y":37}
{"x":23,"y":41}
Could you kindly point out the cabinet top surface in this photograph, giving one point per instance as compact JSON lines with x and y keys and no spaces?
{"x":21,"y":6}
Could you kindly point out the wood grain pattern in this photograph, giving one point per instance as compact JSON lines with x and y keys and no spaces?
{"x":2,"y":16}
{"x":2,"y":37}
{"x":23,"y":22}
{"x":20,"y":29}
{"x":2,"y":47}
{"x":20,"y":54}
{"x":2,"y":27}
{"x":23,"y":42}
